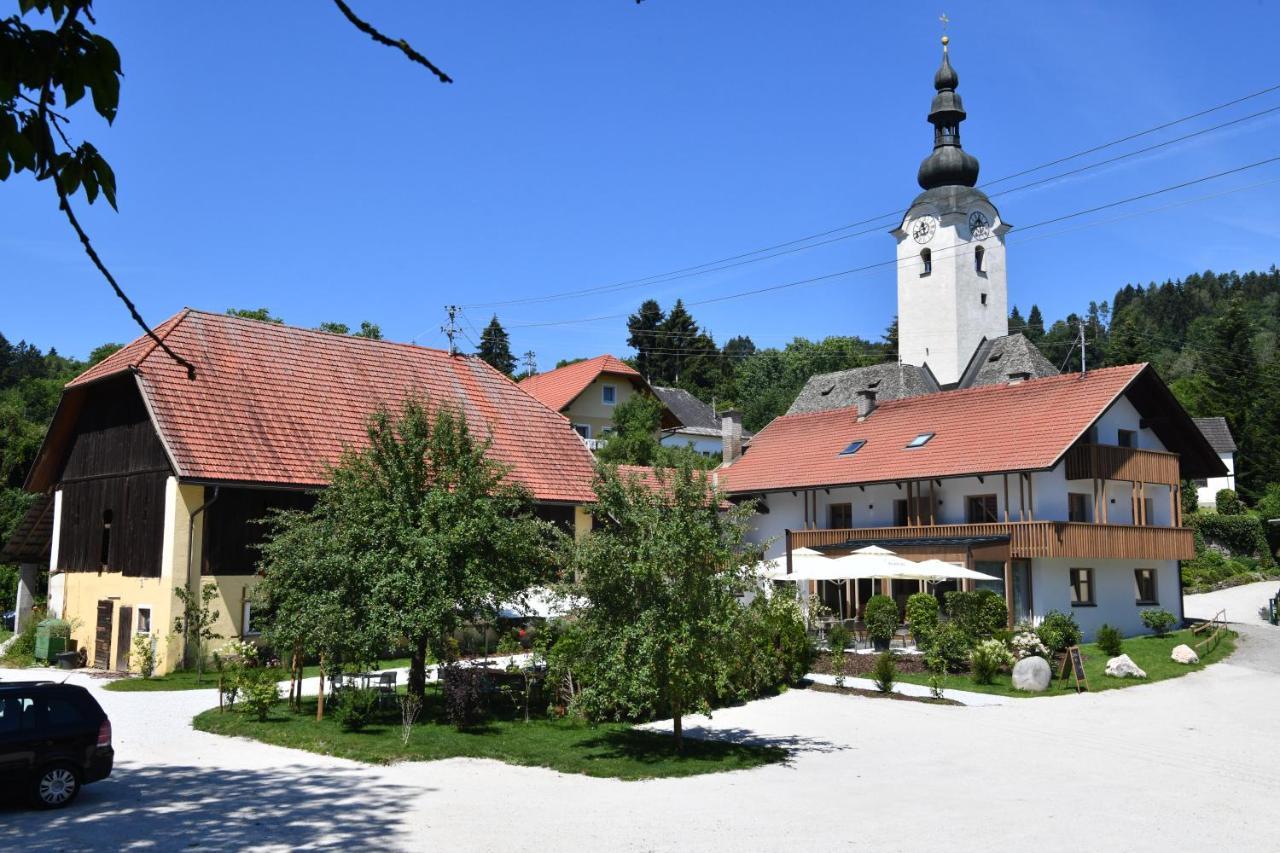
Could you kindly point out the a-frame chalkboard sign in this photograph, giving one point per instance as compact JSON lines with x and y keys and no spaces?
{"x":1076,"y":664}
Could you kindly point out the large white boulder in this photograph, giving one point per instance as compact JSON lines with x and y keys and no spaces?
{"x":1184,"y":654}
{"x":1032,"y":674}
{"x":1124,"y":667}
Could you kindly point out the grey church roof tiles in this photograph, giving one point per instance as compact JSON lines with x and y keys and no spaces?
{"x":1005,"y":359}
{"x":1218,"y":434}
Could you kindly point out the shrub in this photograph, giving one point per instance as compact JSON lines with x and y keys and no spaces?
{"x":465,"y":700}
{"x":949,"y":649}
{"x":881,"y":617}
{"x":1059,"y":631}
{"x":23,"y":648}
{"x":509,"y":643}
{"x":993,"y":613}
{"x":773,"y":648}
{"x":1228,"y":502}
{"x":260,"y":691}
{"x":885,"y":672}
{"x":144,"y":654}
{"x":980,"y":614}
{"x":1108,"y":639}
{"x":1211,"y":570}
{"x":922,"y":616}
{"x":837,"y":637}
{"x":1026,"y":644}
{"x":355,"y":708}
{"x":988,"y":658}
{"x":1242,"y":535}
{"x":1158,"y":620}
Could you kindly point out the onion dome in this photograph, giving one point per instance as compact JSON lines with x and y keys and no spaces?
{"x":949,"y":164}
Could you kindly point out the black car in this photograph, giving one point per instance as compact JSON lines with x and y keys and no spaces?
{"x":54,"y":738}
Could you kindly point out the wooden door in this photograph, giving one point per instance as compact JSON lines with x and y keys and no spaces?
{"x":102,"y":637}
{"x":124,"y":636}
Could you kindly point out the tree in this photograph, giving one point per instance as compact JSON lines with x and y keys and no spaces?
{"x":634,"y":440}
{"x":262,"y":314}
{"x":1017,"y":325}
{"x":334,"y":328}
{"x":196,"y":622}
{"x":37,"y":64}
{"x":1035,"y":324}
{"x":495,"y":348}
{"x":372,"y":331}
{"x":435,"y":526}
{"x":643,"y":336}
{"x":660,"y":570}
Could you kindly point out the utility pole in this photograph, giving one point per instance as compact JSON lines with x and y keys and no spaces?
{"x":530,"y":363}
{"x":1084,"y":369}
{"x":451,"y":329}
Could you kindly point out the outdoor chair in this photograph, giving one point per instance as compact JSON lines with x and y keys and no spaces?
{"x":902,"y":633}
{"x":387,"y":687}
{"x":859,"y":631}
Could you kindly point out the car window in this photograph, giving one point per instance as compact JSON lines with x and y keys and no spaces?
{"x":17,"y":714}
{"x":62,"y":712}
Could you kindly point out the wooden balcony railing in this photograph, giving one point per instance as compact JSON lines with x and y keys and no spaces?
{"x":1106,"y":462}
{"x":1030,"y":538}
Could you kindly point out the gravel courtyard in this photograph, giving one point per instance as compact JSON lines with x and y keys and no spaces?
{"x":1187,"y":762}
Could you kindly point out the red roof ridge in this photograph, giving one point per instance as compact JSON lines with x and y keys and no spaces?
{"x":357,"y":339}
{"x":123,"y":359}
{"x":560,"y":387}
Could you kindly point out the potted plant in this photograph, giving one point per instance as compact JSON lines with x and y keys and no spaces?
{"x":881,"y":617}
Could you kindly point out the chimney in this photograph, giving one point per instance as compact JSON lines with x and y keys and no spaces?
{"x":866,"y":403}
{"x":730,"y":435}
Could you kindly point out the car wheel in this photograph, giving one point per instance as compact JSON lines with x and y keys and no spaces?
{"x":55,"y":786}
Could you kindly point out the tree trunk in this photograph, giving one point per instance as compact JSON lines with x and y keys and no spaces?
{"x":677,"y":726}
{"x":418,"y":668}
{"x":320,"y":695}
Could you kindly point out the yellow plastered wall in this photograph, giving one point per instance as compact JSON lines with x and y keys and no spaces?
{"x":589,"y":406}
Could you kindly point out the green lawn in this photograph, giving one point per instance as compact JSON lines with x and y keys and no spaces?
{"x":185,"y":679}
{"x":5,"y":634}
{"x":613,"y":750}
{"x":1149,"y":653}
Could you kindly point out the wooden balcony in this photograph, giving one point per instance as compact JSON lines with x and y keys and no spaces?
{"x":1107,"y":462}
{"x":1025,"y":539}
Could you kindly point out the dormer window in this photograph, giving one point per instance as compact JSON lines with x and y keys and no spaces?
{"x":926,"y":262}
{"x":609,"y":394}
{"x":920,"y":440}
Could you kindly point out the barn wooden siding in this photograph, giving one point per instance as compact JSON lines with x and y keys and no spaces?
{"x":233,"y":529}
{"x":115,"y":465}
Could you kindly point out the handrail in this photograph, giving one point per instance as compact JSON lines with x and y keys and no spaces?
{"x":1219,"y":624}
{"x":1112,"y":462}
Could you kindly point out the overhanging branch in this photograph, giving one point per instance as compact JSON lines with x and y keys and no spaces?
{"x":399,"y":44}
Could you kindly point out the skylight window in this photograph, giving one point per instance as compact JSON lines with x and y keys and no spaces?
{"x":920,"y":440}
{"x":854,"y":447}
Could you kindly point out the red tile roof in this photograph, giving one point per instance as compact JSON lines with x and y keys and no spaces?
{"x":560,"y":387}
{"x":276,"y":404}
{"x":1027,"y":426}
{"x":649,"y":477}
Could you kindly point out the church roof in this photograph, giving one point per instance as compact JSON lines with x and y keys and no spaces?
{"x":1005,"y":359}
{"x":837,"y":390}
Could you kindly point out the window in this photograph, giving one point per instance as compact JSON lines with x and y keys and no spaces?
{"x":926,"y":262}
{"x":61,"y":712}
{"x":1145,"y":581}
{"x":840,"y":516}
{"x":609,"y":394}
{"x":984,"y":299}
{"x":142,"y":623}
{"x":105,"y":555}
{"x":1126,"y":438}
{"x":918,"y":513}
{"x":247,"y":626}
{"x":17,"y":714}
{"x":853,"y":448}
{"x":980,"y":509}
{"x":977,"y":263}
{"x":583,"y":430}
{"x":1082,"y":588}
{"x":1147,"y":509}
{"x":1078,"y":507}
{"x":920,"y":440}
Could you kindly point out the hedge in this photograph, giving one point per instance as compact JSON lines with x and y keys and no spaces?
{"x":1242,"y":535}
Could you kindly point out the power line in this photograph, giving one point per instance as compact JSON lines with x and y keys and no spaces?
{"x":792,"y":246}
{"x":911,"y":262}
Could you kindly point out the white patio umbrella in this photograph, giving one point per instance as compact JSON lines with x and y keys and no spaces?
{"x":941,"y":570}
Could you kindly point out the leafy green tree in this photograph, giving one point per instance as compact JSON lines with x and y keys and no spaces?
{"x":334,"y":328}
{"x":263,"y":314}
{"x":434,"y":524}
{"x":635,"y":437}
{"x":195,"y":623}
{"x":495,"y":348}
{"x":372,"y":331}
{"x":660,"y":571}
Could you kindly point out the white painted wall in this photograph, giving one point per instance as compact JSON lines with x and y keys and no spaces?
{"x":700,"y":443}
{"x":57,"y":580}
{"x":941,"y":316}
{"x":1207,"y":495}
{"x":1115,"y":592}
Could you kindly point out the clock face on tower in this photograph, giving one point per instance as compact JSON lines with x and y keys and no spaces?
{"x":979,"y":225}
{"x":923,"y":229}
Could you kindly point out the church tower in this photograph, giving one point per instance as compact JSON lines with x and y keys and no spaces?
{"x":951,"y":254}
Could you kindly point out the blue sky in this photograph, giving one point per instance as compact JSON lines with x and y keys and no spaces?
{"x":268,"y":154}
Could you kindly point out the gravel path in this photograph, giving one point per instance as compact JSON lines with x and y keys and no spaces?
{"x":1150,"y":768}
